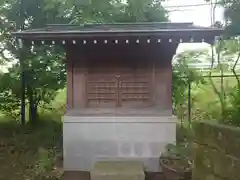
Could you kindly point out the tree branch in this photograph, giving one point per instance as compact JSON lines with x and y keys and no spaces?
{"x":221,"y":68}
{"x":214,"y":86}
{"x":234,"y":69}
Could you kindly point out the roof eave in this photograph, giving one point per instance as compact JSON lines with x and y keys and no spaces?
{"x":51,"y":35}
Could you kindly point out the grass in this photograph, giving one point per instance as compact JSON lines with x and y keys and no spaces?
{"x":33,"y":152}
{"x":30,"y":152}
{"x":205,"y":102}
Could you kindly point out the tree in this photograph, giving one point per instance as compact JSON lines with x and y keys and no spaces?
{"x":44,"y":69}
{"x":183,"y":76}
{"x":231,"y":112}
{"x":232,"y":16}
{"x":227,"y":46}
{"x":95,"y":11}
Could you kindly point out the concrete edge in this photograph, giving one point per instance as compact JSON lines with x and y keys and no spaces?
{"x":119,"y":119}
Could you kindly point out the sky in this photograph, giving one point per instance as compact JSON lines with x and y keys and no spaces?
{"x":199,"y":15}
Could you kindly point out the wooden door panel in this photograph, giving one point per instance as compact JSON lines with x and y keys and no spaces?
{"x":101,"y":89}
{"x":134,"y":90}
{"x":120,"y":87}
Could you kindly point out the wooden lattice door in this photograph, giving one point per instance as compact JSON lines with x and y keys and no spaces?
{"x":118,"y":89}
{"x":102,"y":90}
{"x":134,"y":89}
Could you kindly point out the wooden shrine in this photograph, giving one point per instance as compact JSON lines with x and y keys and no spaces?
{"x":119,"y":88}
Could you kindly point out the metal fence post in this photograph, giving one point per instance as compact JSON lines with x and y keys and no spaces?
{"x":189,"y":102}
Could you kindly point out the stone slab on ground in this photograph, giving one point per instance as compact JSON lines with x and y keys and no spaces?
{"x":74,"y":175}
{"x":80,"y":175}
{"x":111,"y":170}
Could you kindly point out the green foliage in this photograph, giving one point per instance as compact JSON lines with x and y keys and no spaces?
{"x":178,"y":157}
{"x":233,"y":110}
{"x":95,"y":11}
{"x":229,"y":100}
{"x":232,"y":12}
{"x":205,"y":92}
{"x":44,"y":76}
{"x":183,"y":75}
{"x":9,"y":92}
{"x":44,"y":68}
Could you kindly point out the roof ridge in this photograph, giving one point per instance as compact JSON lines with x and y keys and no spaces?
{"x":116,"y":25}
{"x":125,"y":23}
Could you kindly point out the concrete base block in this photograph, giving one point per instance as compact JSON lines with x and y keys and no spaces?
{"x":110,"y":170}
{"x":87,"y":140}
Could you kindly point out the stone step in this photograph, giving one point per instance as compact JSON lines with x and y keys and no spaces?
{"x":117,"y":170}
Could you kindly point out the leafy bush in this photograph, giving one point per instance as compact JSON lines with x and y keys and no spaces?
{"x":178,"y":157}
{"x":232,"y":112}
{"x":182,"y":76}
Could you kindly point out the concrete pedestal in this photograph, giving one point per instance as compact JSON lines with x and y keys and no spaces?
{"x":89,"y":139}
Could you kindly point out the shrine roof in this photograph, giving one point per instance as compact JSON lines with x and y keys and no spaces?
{"x":67,"y":31}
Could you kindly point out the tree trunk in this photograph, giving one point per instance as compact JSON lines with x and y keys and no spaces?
{"x":32,"y":106}
{"x":33,"y":113}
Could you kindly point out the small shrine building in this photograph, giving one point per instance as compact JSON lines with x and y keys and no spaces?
{"x":119,"y":88}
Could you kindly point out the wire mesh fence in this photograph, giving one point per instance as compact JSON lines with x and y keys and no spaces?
{"x":202,"y":100}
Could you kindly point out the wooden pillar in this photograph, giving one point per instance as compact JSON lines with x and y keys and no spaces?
{"x":69,"y":64}
{"x":79,"y":81}
{"x":162,"y":93}
{"x":163,"y":77}
{"x":169,"y":84}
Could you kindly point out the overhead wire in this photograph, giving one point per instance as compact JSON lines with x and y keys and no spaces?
{"x":188,"y":7}
{"x":201,"y":4}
